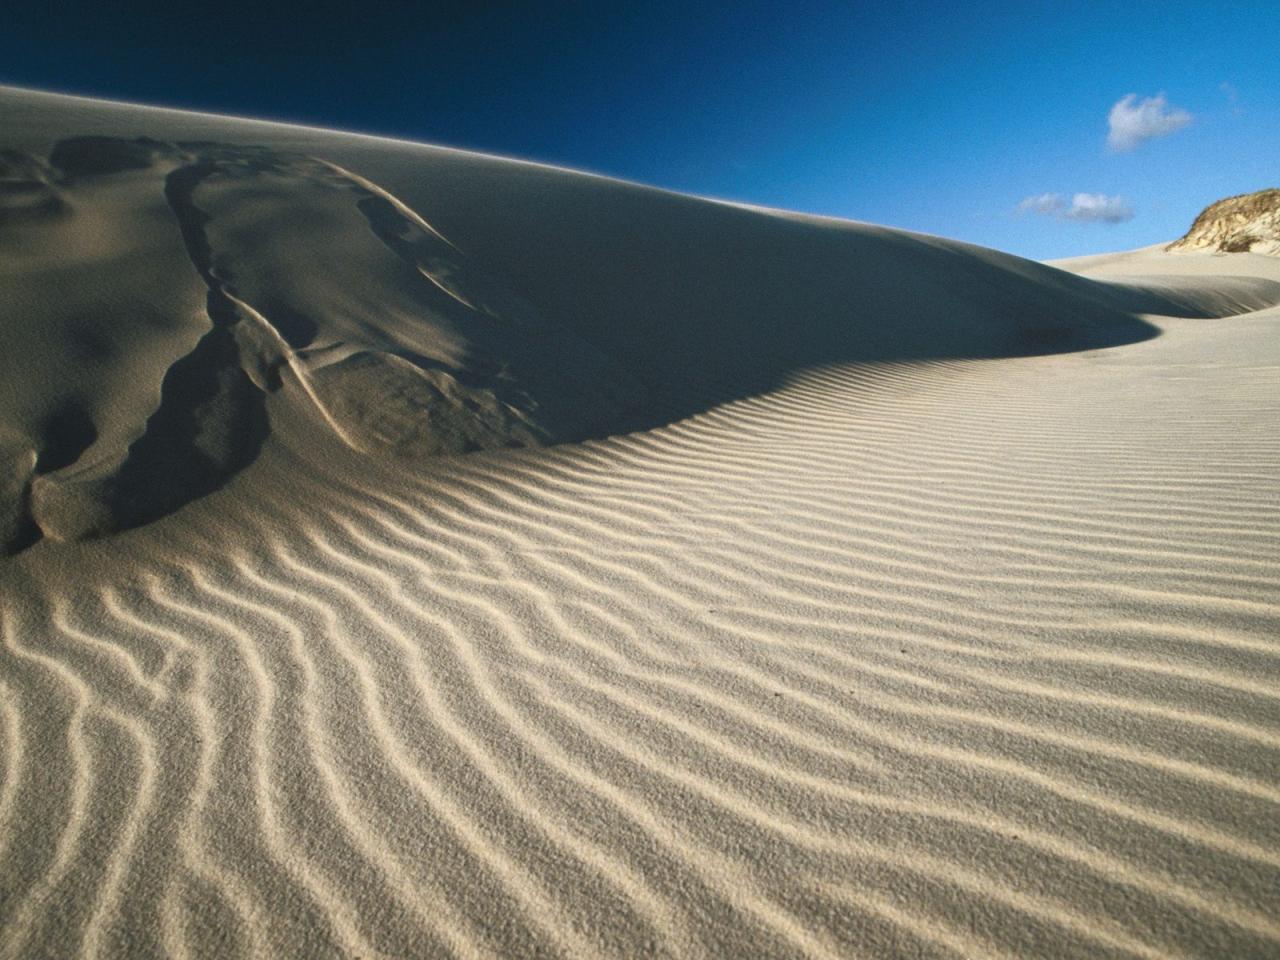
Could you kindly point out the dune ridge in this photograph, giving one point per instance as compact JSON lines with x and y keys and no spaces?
{"x":905,"y":655}
{"x":623,"y":309}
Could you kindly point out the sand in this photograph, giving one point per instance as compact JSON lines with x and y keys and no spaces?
{"x":412,"y":553}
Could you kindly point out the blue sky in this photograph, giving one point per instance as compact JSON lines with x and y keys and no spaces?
{"x":927,"y":115}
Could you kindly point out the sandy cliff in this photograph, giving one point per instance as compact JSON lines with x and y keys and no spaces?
{"x":1249,"y":223}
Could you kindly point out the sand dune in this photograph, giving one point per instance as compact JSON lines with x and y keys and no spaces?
{"x":813,"y":588}
{"x":169,"y":283}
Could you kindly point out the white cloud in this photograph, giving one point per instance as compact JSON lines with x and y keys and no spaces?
{"x":1042,"y":203}
{"x":1098,"y":208}
{"x":1133,"y":121}
{"x":1084,"y":207}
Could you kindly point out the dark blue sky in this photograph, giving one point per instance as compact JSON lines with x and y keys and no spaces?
{"x":939,"y":117}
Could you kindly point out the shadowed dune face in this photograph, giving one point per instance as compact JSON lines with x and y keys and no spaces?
{"x":313,"y":283}
{"x":159,"y":292}
{"x":27,"y":188}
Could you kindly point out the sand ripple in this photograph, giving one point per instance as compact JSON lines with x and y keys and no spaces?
{"x":965,"y":658}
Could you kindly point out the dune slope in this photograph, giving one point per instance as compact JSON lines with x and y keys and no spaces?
{"x":162,"y":286}
{"x":807,"y":588}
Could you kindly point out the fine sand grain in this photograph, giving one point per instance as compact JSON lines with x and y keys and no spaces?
{"x":806,"y":588}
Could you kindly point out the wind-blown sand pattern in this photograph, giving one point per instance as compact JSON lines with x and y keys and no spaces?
{"x":953,"y":635}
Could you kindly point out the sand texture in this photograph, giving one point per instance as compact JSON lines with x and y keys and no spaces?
{"x":411,"y":553}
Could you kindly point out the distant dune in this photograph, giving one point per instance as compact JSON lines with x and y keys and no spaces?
{"x":1249,"y":223}
{"x":416,"y":553}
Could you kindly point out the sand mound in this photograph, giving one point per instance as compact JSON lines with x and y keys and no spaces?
{"x":312,"y":280}
{"x":928,"y":609}
{"x":164,"y":288}
{"x":1249,"y":223}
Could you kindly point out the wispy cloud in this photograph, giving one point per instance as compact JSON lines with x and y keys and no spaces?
{"x":1043,"y":203}
{"x":1131,"y":121}
{"x":1083,"y":207}
{"x":1098,"y":208}
{"x":1233,"y":97}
